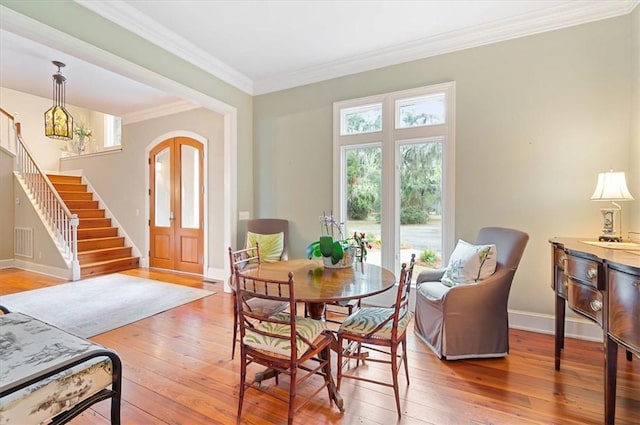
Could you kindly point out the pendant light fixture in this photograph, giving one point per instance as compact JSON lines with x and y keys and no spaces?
{"x":58,"y":122}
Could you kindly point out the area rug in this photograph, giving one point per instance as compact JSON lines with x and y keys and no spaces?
{"x":92,"y":306}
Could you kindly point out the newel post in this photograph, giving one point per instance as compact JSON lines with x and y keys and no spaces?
{"x":75,"y":264}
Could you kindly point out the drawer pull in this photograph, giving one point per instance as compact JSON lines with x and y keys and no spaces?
{"x":591,"y":273}
{"x":636,"y":283}
{"x":596,"y":305}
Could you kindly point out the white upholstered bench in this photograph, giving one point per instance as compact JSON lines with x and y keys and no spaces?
{"x":50,"y":376}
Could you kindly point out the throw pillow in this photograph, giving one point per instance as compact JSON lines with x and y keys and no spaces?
{"x":270,"y":246}
{"x":469,"y":264}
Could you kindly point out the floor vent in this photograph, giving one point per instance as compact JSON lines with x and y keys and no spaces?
{"x":23,"y":242}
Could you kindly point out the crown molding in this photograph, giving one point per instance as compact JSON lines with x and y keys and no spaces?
{"x":24,"y":26}
{"x":129,"y":18}
{"x":159,"y":111}
{"x":566,"y":15}
{"x":563,"y":16}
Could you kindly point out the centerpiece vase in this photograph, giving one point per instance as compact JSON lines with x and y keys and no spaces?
{"x":346,"y":261}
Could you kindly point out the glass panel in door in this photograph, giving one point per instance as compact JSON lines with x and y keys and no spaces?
{"x":420,"y":169}
{"x":363,"y":191}
{"x":190,"y":187}
{"x":162,"y":199}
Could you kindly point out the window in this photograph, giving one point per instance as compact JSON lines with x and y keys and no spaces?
{"x":420,"y":111}
{"x":393,"y":159}
{"x":361,"y":119}
{"x":112,"y":131}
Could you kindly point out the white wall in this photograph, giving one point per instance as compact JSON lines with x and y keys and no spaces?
{"x":29,"y":110}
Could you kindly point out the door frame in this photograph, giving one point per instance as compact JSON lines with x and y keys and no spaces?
{"x":205,"y":199}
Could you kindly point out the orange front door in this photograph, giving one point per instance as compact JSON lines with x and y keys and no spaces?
{"x":176,"y":199}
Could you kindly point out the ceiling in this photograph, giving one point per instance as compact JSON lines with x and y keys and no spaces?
{"x":269,"y":45}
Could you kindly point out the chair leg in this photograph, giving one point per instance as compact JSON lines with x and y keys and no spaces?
{"x":243,"y":377}
{"x":339,"y":364}
{"x":404,"y":357}
{"x":235,"y":326}
{"x":325,"y":355}
{"x":394,"y":372}
{"x":292,"y":395}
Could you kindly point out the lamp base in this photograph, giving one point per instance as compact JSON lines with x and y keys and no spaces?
{"x":605,"y":238}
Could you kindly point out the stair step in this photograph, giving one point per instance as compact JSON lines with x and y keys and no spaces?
{"x":70,"y":187}
{"x":88,"y":213}
{"x":75,"y":195}
{"x":84,"y":205}
{"x":98,"y":255}
{"x":98,"y":243}
{"x":86,"y":223}
{"x":57,"y":178}
{"x":97,"y":232}
{"x":109,"y":266}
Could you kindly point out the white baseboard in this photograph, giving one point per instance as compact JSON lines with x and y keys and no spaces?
{"x":218,"y":275}
{"x":546,"y":323}
{"x":43,"y":269}
{"x":6,"y":264}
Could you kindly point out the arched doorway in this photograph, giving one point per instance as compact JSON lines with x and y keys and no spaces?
{"x":176,"y":205}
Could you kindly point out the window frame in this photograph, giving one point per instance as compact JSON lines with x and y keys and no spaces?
{"x":390,"y":139}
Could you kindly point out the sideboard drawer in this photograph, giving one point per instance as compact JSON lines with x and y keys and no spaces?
{"x":585,"y":300}
{"x":586,"y":271}
{"x":624,"y":308}
{"x":559,"y":257}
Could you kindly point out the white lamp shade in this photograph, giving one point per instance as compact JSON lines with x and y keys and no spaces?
{"x":611,"y":186}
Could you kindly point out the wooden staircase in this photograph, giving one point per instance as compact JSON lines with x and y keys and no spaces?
{"x":100,"y":249}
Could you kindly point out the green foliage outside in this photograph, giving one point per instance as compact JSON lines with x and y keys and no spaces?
{"x":430,"y":257}
{"x":420,"y":176}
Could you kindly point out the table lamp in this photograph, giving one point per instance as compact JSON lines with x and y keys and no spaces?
{"x":611,"y":186}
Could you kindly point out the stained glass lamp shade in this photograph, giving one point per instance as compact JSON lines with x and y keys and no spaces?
{"x":58,"y":122}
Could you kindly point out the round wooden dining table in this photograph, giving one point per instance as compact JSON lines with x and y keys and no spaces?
{"x":317,"y":285}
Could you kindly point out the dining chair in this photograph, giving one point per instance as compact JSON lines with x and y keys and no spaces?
{"x":375,"y":328}
{"x":243,"y":259}
{"x":284,"y":343}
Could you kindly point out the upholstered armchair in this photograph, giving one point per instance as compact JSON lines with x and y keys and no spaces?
{"x":467,"y":321}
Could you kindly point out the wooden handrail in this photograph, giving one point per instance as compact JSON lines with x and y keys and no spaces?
{"x":55,"y":212}
{"x":8,"y":115}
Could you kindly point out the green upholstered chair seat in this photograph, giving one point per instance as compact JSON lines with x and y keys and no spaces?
{"x":309,"y":328}
{"x":367,"y":319}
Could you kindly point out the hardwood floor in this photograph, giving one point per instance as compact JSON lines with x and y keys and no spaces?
{"x":178,"y":370}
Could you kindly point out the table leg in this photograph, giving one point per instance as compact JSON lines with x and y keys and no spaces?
{"x":611,"y":373}
{"x":334,"y":394}
{"x":316,"y":310}
{"x":559,"y":337}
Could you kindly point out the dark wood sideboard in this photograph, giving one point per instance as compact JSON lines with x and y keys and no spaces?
{"x":603,"y":285}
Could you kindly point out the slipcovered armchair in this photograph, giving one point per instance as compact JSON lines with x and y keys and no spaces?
{"x":470,"y":320}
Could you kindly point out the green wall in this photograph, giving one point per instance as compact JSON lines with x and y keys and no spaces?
{"x":536,"y":119}
{"x":634,"y":168}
